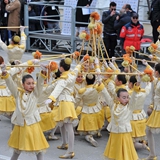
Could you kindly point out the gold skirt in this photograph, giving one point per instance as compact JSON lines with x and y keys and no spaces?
{"x":28,"y":138}
{"x":7,"y":104}
{"x":47,"y":122}
{"x":91,"y":123}
{"x":78,"y":110}
{"x":154,"y":119}
{"x":120,"y":147}
{"x":138,"y":128}
{"x":66,"y":113}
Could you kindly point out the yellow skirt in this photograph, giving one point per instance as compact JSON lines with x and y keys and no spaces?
{"x":78,"y":110}
{"x":28,"y":138}
{"x":154,"y":120}
{"x":107,"y":113}
{"x":47,"y":122}
{"x":91,"y":123}
{"x":7,"y":104}
{"x":120,"y":147}
{"x":138,"y":128}
{"x":66,"y":113}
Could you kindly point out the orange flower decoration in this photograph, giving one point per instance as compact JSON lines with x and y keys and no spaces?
{"x":95,"y":16}
{"x":37,"y":55}
{"x":158,"y":29}
{"x":150,"y":73}
{"x":86,"y":57}
{"x":75,"y":54}
{"x":53,"y":66}
{"x":126,"y":57}
{"x":154,"y":45}
{"x":99,"y":28}
{"x":29,"y":69}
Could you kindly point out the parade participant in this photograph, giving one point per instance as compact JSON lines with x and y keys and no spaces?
{"x":27,"y":134}
{"x":138,"y":121}
{"x":120,"y":145}
{"x":17,"y":47}
{"x":153,"y":122}
{"x":66,"y":115}
{"x":91,"y":120}
{"x":7,"y":105}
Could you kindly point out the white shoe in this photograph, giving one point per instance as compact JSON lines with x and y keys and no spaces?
{"x":90,"y":139}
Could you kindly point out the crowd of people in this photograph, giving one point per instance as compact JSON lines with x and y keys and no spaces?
{"x":93,"y":95}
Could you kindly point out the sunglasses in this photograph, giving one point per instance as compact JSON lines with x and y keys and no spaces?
{"x":135,"y":17}
{"x":113,"y":9}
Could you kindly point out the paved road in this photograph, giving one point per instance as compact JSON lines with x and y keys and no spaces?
{"x":83,"y":150}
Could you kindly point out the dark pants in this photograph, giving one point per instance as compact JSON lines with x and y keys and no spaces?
{"x":110,"y":42}
{"x":4,"y":36}
{"x":155,"y":25}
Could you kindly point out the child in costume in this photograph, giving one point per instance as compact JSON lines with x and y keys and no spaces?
{"x":66,"y":115}
{"x":91,"y":120}
{"x":27,"y":134}
{"x":153,"y":122}
{"x":16,"y":49}
{"x":120,"y":145}
{"x":138,"y":121}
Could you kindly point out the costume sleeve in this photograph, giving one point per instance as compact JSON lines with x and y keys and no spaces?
{"x":23,"y":40}
{"x":105,"y":17}
{"x":61,"y":84}
{"x":50,"y":88}
{"x":148,"y":88}
{"x":11,"y":85}
{"x":3,"y":46}
{"x":12,"y":6}
{"x":39,"y":85}
{"x":107,"y":97}
{"x":123,"y":32}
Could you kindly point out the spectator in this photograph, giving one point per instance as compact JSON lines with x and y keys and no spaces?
{"x":128,"y":9}
{"x":53,"y":14}
{"x":14,"y":8}
{"x":121,"y":20}
{"x":155,"y":18}
{"x":4,"y":22}
{"x":132,"y":33}
{"x":80,"y":17}
{"x":32,"y":22}
{"x":109,"y":33}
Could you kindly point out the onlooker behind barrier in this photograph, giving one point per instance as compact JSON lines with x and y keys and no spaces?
{"x":32,"y":22}
{"x":53,"y":14}
{"x":4,"y":22}
{"x":81,"y":16}
{"x":132,"y":33}
{"x":109,"y":33}
{"x":155,"y":18}
{"x":128,"y":9}
{"x":14,"y":8}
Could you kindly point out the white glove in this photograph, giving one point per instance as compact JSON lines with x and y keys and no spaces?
{"x":139,"y":79}
{"x":35,"y":61}
{"x":22,"y":28}
{"x":91,"y":66}
{"x":48,"y":101}
{"x":99,"y":78}
{"x":17,"y":62}
{"x":3,"y":67}
{"x":113,"y":59}
{"x":150,"y":56}
{"x":144,"y":62}
{"x":105,"y":64}
{"x":96,"y":61}
{"x":112,"y":66}
{"x":43,"y":67}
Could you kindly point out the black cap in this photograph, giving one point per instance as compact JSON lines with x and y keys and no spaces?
{"x":135,"y":14}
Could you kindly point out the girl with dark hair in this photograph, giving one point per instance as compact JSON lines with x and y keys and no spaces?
{"x":66,"y":116}
{"x":27,"y":134}
{"x":120,"y":145}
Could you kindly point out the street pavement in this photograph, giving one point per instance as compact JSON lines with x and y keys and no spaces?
{"x":83,"y":150}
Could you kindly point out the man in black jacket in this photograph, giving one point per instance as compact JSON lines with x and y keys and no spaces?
{"x":109,"y":33}
{"x":155,"y":18}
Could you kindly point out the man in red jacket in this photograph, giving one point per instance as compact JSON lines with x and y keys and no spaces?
{"x":132,"y":33}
